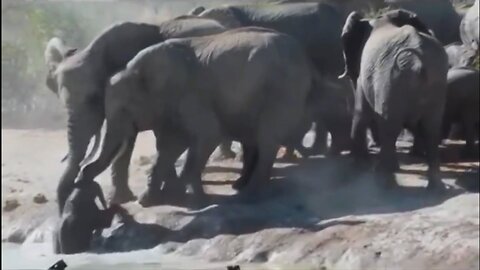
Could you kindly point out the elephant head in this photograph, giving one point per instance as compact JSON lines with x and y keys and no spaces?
{"x":71,"y":77}
{"x":357,"y":30}
{"x":225,"y":15}
{"x":354,"y":35}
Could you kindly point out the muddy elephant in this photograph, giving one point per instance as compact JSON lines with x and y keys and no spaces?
{"x":247,"y":84}
{"x":399,"y":70}
{"x":469,"y":27}
{"x":81,"y":218}
{"x":317,"y":26}
{"x":459,"y":55}
{"x":438,"y":15}
{"x":79,"y":78}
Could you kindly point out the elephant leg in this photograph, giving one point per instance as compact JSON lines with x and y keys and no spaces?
{"x":418,"y":148}
{"x":250,"y":155}
{"x":321,"y":134}
{"x":469,"y":128}
{"x":197,"y":157}
{"x":121,"y":191}
{"x":226,"y":150}
{"x":112,"y":145}
{"x":169,"y":147}
{"x":375,"y":135}
{"x":389,"y":131}
{"x":431,"y":129}
{"x":336,"y":146}
{"x":262,"y":170}
{"x":359,"y":128}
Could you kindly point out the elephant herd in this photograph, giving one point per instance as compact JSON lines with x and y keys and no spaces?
{"x":259,"y":75}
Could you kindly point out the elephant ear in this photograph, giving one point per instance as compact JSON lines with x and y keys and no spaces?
{"x":196,"y":11}
{"x":401,"y":17}
{"x":354,"y":35}
{"x":56,"y":51}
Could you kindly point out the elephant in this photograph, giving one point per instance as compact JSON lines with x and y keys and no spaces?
{"x":461,"y":108}
{"x":459,"y":55}
{"x":247,"y":84}
{"x":81,"y":217}
{"x":332,"y":109}
{"x":438,"y":15}
{"x":315,"y":25}
{"x":399,"y":71}
{"x":469,"y":32}
{"x":79,"y":78}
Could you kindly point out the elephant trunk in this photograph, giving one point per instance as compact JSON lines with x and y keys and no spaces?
{"x":82,"y":125}
{"x":93,"y":152}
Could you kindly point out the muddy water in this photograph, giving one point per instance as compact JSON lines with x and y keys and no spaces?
{"x":39,"y":256}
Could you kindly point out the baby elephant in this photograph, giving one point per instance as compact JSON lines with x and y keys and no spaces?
{"x":81,"y":217}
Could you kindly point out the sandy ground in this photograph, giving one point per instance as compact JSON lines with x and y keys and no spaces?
{"x":316,"y":213}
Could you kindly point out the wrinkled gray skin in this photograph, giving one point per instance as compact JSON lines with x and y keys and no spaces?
{"x":81,"y":217}
{"x":399,"y":72}
{"x":459,"y":55}
{"x":438,"y":15}
{"x":469,"y":27}
{"x":461,"y":108}
{"x":247,"y":84}
{"x":317,"y":26}
{"x":79,"y":78}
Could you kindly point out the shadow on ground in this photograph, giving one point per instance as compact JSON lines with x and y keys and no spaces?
{"x":299,"y":196}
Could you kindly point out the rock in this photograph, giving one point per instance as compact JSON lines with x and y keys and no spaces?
{"x":40,"y":198}
{"x":10,"y":205}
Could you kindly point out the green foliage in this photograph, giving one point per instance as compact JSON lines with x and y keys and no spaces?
{"x":476,"y":62}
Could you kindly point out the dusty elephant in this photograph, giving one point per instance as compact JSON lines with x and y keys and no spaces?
{"x":79,"y":78}
{"x":438,"y":15}
{"x":247,"y":84}
{"x":469,"y":27}
{"x":317,"y":26}
{"x":399,"y":72}
{"x":81,"y":217}
{"x":459,"y":55}
{"x":462,"y":105}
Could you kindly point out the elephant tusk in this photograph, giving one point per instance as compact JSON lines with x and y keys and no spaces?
{"x":93,"y":152}
{"x":343,"y":75}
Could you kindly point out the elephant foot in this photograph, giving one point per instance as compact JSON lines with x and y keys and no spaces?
{"x":122,"y":196}
{"x":436,"y":187}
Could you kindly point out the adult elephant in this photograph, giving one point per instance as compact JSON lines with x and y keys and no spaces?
{"x":246,"y":84}
{"x":438,"y":15}
{"x":399,"y":70}
{"x":469,"y":27}
{"x":317,"y":26}
{"x":79,"y":78}
{"x":461,"y":108}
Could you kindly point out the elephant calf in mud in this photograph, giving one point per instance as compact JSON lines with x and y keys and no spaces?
{"x":247,"y":84}
{"x":399,"y":70}
{"x":81,"y":217}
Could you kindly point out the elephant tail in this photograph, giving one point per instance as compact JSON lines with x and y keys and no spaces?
{"x":413,"y":51}
{"x":93,"y":152}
